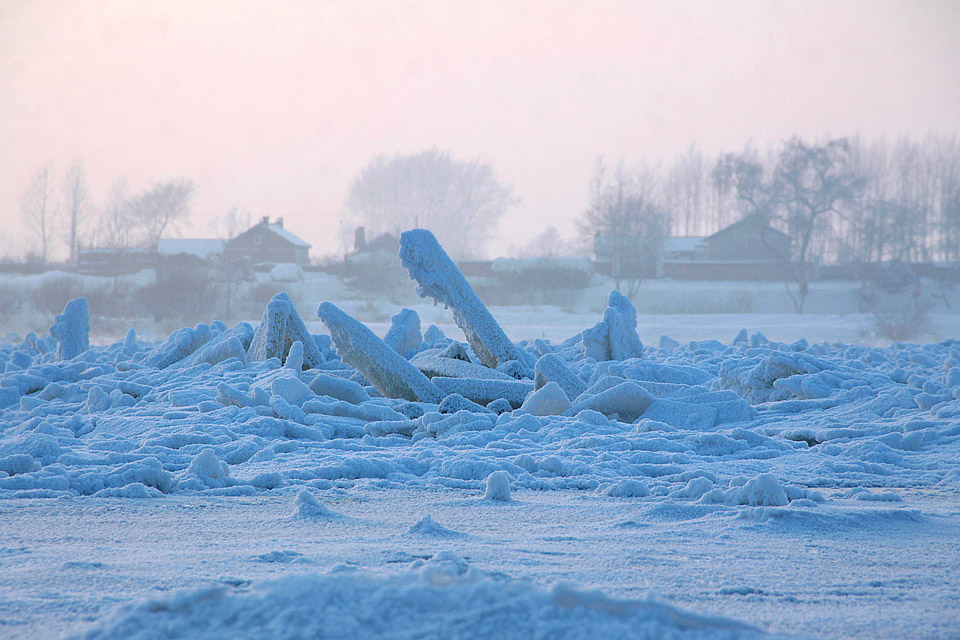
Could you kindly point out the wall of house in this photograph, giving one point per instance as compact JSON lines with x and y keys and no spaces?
{"x":261,"y":245}
{"x":748,"y":243}
{"x":729,"y":270}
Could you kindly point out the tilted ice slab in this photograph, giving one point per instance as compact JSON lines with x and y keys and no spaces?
{"x":552,"y":368}
{"x":232,"y":343}
{"x":386,"y":370}
{"x":433,"y":365}
{"x":439,"y":278}
{"x":178,"y":345}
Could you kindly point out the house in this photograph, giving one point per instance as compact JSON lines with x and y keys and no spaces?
{"x":626,"y":256}
{"x":375,"y":266}
{"x":115,"y":260}
{"x":203,"y":248}
{"x":383,"y":245}
{"x":749,"y":239}
{"x":268,"y":242}
{"x":749,"y":249}
{"x":683,"y":248}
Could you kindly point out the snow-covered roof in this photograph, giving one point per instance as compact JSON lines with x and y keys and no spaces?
{"x":754,"y":220}
{"x":289,"y":237}
{"x":684,"y":243}
{"x":200,"y":247}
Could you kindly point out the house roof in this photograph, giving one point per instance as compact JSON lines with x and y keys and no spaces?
{"x":683,"y":243}
{"x":383,"y":242}
{"x":200,"y":247}
{"x":289,"y":237}
{"x":753,"y":220}
{"x":276,"y":229}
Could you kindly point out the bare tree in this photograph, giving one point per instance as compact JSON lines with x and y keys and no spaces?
{"x":627,"y":225}
{"x":546,"y":244}
{"x":687,"y":191}
{"x":743,"y":175}
{"x":162,"y":206}
{"x":459,"y":201}
{"x":231,"y":224}
{"x":37,"y":208}
{"x":811,"y":182}
{"x":76,"y":205}
{"x":117,"y":229}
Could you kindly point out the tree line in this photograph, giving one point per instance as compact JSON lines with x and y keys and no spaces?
{"x":67,"y":213}
{"x":841,"y":200}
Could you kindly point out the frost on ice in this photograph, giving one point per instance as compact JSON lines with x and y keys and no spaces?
{"x":439,"y":278}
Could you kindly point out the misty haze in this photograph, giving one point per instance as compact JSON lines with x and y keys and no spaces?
{"x":479,"y":320}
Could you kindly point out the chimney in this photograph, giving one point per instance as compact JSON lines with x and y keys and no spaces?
{"x":359,"y":239}
{"x":265,"y":220}
{"x":279,"y":222}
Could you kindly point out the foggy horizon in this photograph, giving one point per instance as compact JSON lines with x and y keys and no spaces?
{"x":276,"y":108}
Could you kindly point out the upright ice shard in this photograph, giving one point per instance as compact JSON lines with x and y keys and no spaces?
{"x":438,"y":278}
{"x":404,"y":334}
{"x":72,"y":329}
{"x":279,"y":328}
{"x":386,"y":369}
{"x":615,"y":338}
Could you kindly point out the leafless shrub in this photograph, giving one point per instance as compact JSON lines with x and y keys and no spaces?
{"x":11,"y":300}
{"x":53,"y":295}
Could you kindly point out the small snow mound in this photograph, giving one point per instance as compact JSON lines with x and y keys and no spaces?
{"x":307,"y":507}
{"x":17,"y":463}
{"x":869,"y":496}
{"x":762,"y":491}
{"x":498,"y":487}
{"x":425,"y":526}
{"x":135,"y":490}
{"x":500,"y":405}
{"x":445,"y":598}
{"x":208,"y":469}
{"x":268,"y":480}
{"x":628,"y":488}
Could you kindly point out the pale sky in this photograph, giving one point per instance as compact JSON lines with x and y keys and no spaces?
{"x":276,"y":105}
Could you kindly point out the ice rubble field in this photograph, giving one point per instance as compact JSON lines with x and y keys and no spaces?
{"x":269,"y":482}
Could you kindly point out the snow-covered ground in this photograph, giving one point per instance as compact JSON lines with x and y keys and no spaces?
{"x":726,"y":484}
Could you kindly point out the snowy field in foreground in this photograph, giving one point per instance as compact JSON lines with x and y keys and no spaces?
{"x":769,"y":489}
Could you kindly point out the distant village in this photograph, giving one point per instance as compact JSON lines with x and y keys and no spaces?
{"x":747,"y":250}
